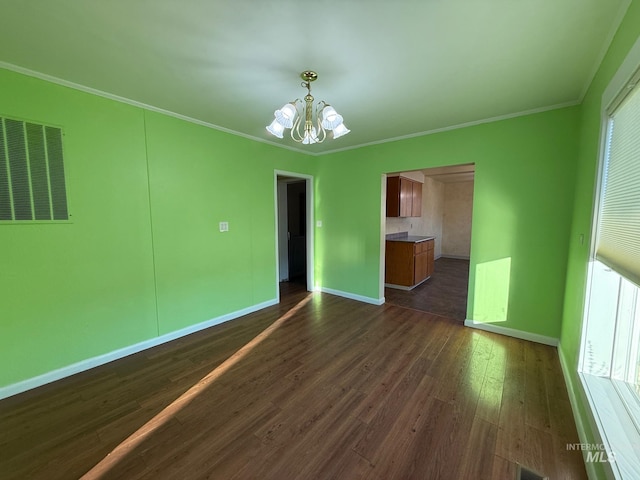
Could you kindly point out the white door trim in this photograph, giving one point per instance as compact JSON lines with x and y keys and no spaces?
{"x":310,"y":225}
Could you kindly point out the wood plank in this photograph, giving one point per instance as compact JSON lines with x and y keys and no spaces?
{"x":503,"y":469}
{"x":539,"y":454}
{"x":490,"y":400}
{"x":435,"y":451}
{"x":313,"y":449}
{"x":337,"y":389}
{"x":536,"y":403}
{"x":399,"y":412}
{"x":510,"y":443}
{"x":477,"y":466}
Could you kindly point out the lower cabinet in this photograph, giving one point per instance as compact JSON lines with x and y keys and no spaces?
{"x":421,"y":267}
{"x":408,"y":264}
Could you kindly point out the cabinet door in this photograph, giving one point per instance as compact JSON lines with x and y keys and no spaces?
{"x":406,"y":197}
{"x":399,"y":264}
{"x":421,"y":267}
{"x":393,"y":196}
{"x":416,"y":200}
{"x":429,"y":253}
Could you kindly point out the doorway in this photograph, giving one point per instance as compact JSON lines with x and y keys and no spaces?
{"x":446,"y":215}
{"x":294,"y":238}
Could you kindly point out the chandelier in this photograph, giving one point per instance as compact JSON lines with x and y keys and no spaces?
{"x":292,"y":113}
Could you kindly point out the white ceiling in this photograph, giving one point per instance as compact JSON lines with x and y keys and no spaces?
{"x":392,"y":69}
{"x":451,"y":174}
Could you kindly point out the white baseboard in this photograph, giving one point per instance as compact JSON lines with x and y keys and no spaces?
{"x":512,"y":332}
{"x":573,"y":390}
{"x":352,"y":296}
{"x":93,"y":362}
{"x":459,"y":257}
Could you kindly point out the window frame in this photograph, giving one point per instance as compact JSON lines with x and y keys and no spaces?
{"x":610,"y":404}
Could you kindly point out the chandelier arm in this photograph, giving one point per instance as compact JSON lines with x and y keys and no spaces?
{"x":295,"y":129}
{"x":322,"y":135}
{"x":295,"y":132}
{"x":321,"y":132}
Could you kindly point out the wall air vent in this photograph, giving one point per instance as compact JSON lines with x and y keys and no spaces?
{"x":32,"y":181}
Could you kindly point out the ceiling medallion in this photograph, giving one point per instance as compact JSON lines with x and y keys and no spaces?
{"x":292,"y":113}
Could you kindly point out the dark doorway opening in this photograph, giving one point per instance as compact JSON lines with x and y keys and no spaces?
{"x":297,"y":231}
{"x":292,"y":233}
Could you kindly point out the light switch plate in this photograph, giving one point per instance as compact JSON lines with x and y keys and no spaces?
{"x":319,"y":223}
{"x":224,"y":226}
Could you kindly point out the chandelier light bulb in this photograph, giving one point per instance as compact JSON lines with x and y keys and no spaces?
{"x":310,"y":137}
{"x":285,"y":115}
{"x":276,"y":128}
{"x":330,"y":118}
{"x":340,"y":130}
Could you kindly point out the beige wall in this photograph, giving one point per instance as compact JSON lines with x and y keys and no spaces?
{"x":456,"y":230}
{"x":430,"y":224}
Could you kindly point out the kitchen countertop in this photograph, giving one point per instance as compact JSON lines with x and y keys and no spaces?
{"x":405,"y":237}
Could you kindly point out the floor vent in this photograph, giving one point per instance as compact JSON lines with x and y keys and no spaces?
{"x":524,"y":473}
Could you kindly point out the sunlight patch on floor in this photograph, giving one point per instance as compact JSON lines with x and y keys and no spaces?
{"x":135,"y":439}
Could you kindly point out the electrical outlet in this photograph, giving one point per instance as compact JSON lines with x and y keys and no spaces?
{"x":224,"y":226}
{"x":319,"y":223}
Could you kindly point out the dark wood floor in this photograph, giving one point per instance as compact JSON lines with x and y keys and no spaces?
{"x":445,"y":293}
{"x":318,"y":387}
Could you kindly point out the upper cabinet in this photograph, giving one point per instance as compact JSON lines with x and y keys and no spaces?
{"x":404,"y":197}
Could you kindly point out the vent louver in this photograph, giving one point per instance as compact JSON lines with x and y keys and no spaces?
{"x":32,"y":181}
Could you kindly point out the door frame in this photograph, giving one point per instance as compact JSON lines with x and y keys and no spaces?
{"x":383,"y":220}
{"x":310,"y":231}
{"x":383,"y":234}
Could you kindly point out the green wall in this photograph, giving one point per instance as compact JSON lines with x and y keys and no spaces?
{"x":624,"y":39}
{"x":200,"y":177}
{"x":70,"y":291}
{"x":523,"y":197}
{"x":146,"y":193}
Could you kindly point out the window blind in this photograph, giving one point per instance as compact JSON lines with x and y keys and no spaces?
{"x":618,"y":241}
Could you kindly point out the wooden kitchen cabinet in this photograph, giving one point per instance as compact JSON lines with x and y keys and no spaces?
{"x":416,"y":200}
{"x":404,"y":197}
{"x":421,"y":262}
{"x":408,"y":264}
{"x":421,"y":268}
{"x":430,"y":259}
